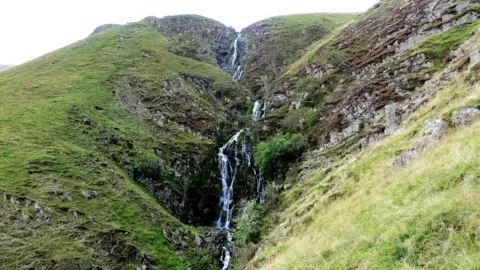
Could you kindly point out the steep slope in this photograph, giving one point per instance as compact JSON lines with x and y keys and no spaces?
{"x":366,"y":139}
{"x":104,"y":27}
{"x":374,"y":210}
{"x":197,"y":37}
{"x":273,"y":44}
{"x":389,"y":105}
{"x":83,"y":131}
{"x":349,"y":79}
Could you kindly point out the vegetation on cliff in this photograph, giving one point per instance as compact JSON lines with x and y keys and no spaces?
{"x":80,"y":125}
{"x":275,"y":43}
{"x":376,"y":190}
{"x":366,"y":147}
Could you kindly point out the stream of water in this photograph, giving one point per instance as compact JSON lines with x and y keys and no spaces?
{"x":230,"y":157}
{"x":237,"y":75}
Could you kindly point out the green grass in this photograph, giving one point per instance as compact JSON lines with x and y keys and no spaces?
{"x":46,"y":152}
{"x":311,"y":51}
{"x":359,"y":213}
{"x":438,"y":47}
{"x":284,"y":30}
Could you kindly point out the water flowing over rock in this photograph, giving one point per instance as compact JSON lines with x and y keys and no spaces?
{"x":233,"y":154}
{"x":229,"y":159}
{"x":235,"y":65}
{"x":257,"y":111}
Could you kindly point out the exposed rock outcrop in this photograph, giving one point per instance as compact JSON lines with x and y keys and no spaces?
{"x":104,"y":27}
{"x":197,"y":37}
{"x":362,"y":75}
{"x":275,"y":43}
{"x":433,"y":131}
{"x":465,"y":117}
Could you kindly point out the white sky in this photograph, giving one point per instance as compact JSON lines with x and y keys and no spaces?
{"x":31,"y":28}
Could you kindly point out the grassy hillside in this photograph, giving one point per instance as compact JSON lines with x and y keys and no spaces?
{"x":277,"y":42}
{"x":79,"y":126}
{"x":362,"y":96}
{"x":358,"y":212}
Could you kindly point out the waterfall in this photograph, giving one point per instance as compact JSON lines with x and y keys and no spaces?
{"x":235,"y":50}
{"x":257,"y":111}
{"x":228,"y":172}
{"x":260,"y":187}
{"x":225,"y":258}
{"x":237,"y":75}
{"x":230,"y":158}
{"x":256,"y":115}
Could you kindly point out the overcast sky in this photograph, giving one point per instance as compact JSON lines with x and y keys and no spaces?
{"x":31,"y":28}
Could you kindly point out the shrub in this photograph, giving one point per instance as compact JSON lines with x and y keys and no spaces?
{"x":272,"y":192}
{"x":249,"y":224}
{"x":315,"y":89}
{"x":294,"y":120}
{"x":275,"y":154}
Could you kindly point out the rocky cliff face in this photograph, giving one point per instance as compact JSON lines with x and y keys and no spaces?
{"x":108,"y":164}
{"x":383,"y":103}
{"x":197,"y":37}
{"x":366,"y":78}
{"x":275,"y":43}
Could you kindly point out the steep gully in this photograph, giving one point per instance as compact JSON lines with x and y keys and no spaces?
{"x":230,"y":157}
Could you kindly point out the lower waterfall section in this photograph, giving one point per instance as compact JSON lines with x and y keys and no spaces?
{"x":233,"y":154}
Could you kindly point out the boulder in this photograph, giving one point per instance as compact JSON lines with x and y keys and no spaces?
{"x":474,"y":58}
{"x":465,"y":117}
{"x":434,"y":130}
{"x":391,"y":118}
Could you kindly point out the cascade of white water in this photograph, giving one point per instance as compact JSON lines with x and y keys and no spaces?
{"x":230,"y":156}
{"x":260,"y":187}
{"x":235,"y":50}
{"x":228,"y":172}
{"x":237,"y":75}
{"x":257,"y":111}
{"x":225,"y":258}
{"x":228,"y":167}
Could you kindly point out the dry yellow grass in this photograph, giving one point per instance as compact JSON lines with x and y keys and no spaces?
{"x":365,"y":215}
